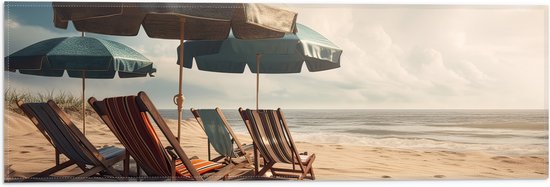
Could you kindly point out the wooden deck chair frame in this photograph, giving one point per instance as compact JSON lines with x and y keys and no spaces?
{"x":234,"y":138}
{"x":146,"y":105}
{"x":304,"y":169}
{"x":99,"y":163}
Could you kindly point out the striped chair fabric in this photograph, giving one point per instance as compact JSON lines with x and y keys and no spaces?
{"x":64,"y":139}
{"x":266,"y":129}
{"x":272,"y":139}
{"x":134,"y":130}
{"x":67,"y":139}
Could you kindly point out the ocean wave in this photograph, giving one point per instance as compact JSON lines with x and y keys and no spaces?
{"x":421,"y":143}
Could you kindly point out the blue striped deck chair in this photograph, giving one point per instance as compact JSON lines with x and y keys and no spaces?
{"x":221,"y":136}
{"x":272,"y":139}
{"x":68,"y":140}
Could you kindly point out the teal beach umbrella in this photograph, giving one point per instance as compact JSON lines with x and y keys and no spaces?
{"x":182,"y":21}
{"x":80,"y":57}
{"x":271,"y":56}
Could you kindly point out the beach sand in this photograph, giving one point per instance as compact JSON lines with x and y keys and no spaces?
{"x":27,"y":152}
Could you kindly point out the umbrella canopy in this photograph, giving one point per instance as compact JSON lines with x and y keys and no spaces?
{"x":202,"y":21}
{"x":284,"y":55}
{"x":81,"y":57}
{"x":99,"y":58}
{"x":183,"y":21}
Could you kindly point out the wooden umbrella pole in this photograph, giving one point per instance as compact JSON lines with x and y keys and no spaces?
{"x":83,"y":102}
{"x":258,"y":58}
{"x":179,"y":97}
{"x":83,"y":98}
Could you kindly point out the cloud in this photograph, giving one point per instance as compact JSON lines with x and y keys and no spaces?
{"x":408,"y":57}
{"x":394,"y":57}
{"x":17,"y":36}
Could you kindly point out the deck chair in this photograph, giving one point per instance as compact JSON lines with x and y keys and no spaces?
{"x":67,"y":139}
{"x":272,"y":139}
{"x":221,"y":136}
{"x":128,"y":119}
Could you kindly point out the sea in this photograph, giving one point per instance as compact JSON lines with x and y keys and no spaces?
{"x":502,"y":132}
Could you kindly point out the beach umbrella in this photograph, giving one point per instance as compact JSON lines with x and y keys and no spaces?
{"x":182,"y":21}
{"x":272,"y":56}
{"x":200,"y":21}
{"x":81,"y":57}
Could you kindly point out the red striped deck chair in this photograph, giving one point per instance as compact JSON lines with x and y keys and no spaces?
{"x":68,"y":140}
{"x":272,"y":139}
{"x":128,"y":119}
{"x":221,"y":136}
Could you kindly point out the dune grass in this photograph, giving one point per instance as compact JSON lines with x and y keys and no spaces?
{"x":65,"y":100}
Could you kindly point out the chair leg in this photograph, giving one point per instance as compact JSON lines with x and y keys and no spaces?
{"x":52,"y":170}
{"x":312,"y":174}
{"x":138,"y":171}
{"x":308,"y":169}
{"x":108,"y":165}
{"x":266,"y":167}
{"x":126,"y":165}
{"x":256,"y":164}
{"x":82,"y":167}
{"x":88,"y":173}
{"x":57,"y":159}
{"x":173,"y":165}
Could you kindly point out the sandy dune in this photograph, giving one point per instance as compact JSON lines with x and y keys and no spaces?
{"x":26,"y":152}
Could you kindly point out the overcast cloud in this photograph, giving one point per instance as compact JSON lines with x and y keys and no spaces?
{"x":394,"y":57}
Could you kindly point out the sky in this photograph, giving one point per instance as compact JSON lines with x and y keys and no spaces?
{"x":394,"y":57}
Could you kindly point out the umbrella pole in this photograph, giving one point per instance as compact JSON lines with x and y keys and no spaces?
{"x":83,"y":96}
{"x":258,"y":58}
{"x":179,"y":97}
{"x":83,"y":103}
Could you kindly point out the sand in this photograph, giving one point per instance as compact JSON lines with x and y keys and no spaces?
{"x":27,"y":152}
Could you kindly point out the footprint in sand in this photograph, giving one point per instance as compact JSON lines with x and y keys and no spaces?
{"x":439,"y":176}
{"x":499,"y":157}
{"x":386,"y":176}
{"x":510,"y":161}
{"x":454,"y":153}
